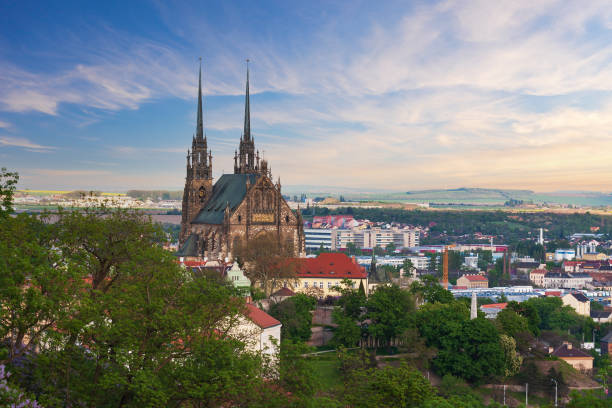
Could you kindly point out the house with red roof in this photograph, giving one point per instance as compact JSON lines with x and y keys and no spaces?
{"x":492,"y":310}
{"x":575,"y":357}
{"x":258,"y":330}
{"x":473,"y":281}
{"x":321,"y":274}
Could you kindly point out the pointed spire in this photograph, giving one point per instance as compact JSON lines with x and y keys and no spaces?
{"x":247,"y":109}
{"x":200,"y":125}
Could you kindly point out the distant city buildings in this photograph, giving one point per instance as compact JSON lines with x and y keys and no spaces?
{"x":339,"y":232}
{"x":473,"y":281}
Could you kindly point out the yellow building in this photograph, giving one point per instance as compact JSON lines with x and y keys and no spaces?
{"x":578,"y":302}
{"x":473,"y":281}
{"x":575,"y":357}
{"x":318,"y":276}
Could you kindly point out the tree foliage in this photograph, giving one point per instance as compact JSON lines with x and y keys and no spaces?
{"x":295,"y":315}
{"x":8,"y":184}
{"x":267,"y":260}
{"x":389,"y":309}
{"x":115,"y":320}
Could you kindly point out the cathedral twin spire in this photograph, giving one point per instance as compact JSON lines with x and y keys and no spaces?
{"x":246,"y":159}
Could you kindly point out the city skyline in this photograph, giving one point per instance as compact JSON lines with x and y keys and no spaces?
{"x":433,"y":95}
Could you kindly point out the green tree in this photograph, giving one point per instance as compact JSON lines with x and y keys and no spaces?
{"x":448,"y":328}
{"x":8,"y":184}
{"x":588,"y":399}
{"x":429,"y":290}
{"x":295,"y":315}
{"x":140,"y":331}
{"x":390,"y":248}
{"x":512,"y":361}
{"x":408,"y":267}
{"x":511,"y":323}
{"x":389,"y":308}
{"x":267,"y":260}
{"x":387,"y":387}
{"x":38,"y":286}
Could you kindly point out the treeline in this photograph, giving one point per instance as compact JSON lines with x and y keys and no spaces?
{"x":155,"y":195}
{"x":510,"y":225}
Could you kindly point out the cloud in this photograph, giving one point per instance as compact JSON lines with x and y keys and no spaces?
{"x":68,"y":173}
{"x":24,"y":143}
{"x":4,"y":125}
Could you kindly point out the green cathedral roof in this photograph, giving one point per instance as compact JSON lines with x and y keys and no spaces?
{"x":230,"y":190}
{"x":190,"y":247}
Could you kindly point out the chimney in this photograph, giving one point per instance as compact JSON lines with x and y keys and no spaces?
{"x":354,"y":260}
{"x":550,"y":350}
{"x":569,"y":346}
{"x":248,"y":299}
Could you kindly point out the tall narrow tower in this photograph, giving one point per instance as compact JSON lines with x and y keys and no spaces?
{"x":198,"y":182}
{"x":244,"y":159}
{"x":474,"y":307}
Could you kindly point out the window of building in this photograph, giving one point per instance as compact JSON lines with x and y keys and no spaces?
{"x":305,"y":284}
{"x":329,"y":285}
{"x":321,"y":285}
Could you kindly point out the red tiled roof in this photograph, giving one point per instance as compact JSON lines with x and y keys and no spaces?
{"x":475,"y":278}
{"x":283,"y":292}
{"x":495,"y":306}
{"x":260,"y":318}
{"x":330,"y":265}
{"x":194,"y":263}
{"x":459,"y":287}
{"x":564,"y":351}
{"x":556,"y":293}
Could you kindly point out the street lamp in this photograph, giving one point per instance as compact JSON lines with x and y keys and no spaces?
{"x":555,"y":381}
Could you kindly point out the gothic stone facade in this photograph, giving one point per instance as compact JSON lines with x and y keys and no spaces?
{"x":238,"y":206}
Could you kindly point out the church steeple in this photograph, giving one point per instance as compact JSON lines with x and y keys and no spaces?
{"x":246,"y":162}
{"x":247,"y":109}
{"x":200,"y":124}
{"x":201,"y":160}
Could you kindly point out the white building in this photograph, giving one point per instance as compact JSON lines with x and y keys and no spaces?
{"x":259,"y":331}
{"x":564,"y":255}
{"x":566,"y":280}
{"x":315,"y":237}
{"x":373,"y":237}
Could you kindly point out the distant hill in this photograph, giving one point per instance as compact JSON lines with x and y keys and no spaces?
{"x":462,"y":195}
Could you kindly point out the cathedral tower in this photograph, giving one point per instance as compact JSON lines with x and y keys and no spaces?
{"x":245,"y":159}
{"x":198,"y":183}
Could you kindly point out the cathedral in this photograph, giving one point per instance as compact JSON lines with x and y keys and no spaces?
{"x":238,"y":206}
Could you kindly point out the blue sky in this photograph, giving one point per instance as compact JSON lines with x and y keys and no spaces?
{"x":392,"y":95}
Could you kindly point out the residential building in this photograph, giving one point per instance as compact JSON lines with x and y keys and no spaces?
{"x":237,"y":277}
{"x":314,"y":238}
{"x":575,"y":357}
{"x":606,"y":344}
{"x":566,"y":280}
{"x":258,"y":330}
{"x":525,"y":268}
{"x":580,"y":303}
{"x":492,"y":310}
{"x":281,"y":294}
{"x":320,"y":275}
{"x":601,"y":316}
{"x":564,"y":254}
{"x":473,"y":281}
{"x":537,"y":276}
{"x":471,"y":261}
{"x":367,"y":238}
{"x":419,"y":262}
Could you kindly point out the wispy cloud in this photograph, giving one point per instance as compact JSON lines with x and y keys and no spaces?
{"x":24,"y":143}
